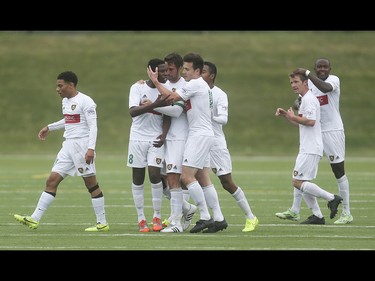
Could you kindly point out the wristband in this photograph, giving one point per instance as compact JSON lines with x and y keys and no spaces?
{"x":307,"y":73}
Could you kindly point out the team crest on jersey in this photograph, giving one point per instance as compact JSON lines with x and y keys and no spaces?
{"x":295,"y":173}
{"x":80,"y":170}
{"x":73,"y":106}
{"x":331,"y":157}
{"x":214,"y":170}
{"x":173,"y":89}
{"x":158,"y":160}
{"x":169,"y":167}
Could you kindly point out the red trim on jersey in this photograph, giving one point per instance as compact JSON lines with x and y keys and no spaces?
{"x":323,"y":100}
{"x":187,"y":105}
{"x":72,"y":118}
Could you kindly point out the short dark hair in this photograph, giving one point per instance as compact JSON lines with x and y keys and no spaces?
{"x":196,"y":59}
{"x":68,"y":76}
{"x":154,"y":63}
{"x":211,"y":68}
{"x":174,"y":58}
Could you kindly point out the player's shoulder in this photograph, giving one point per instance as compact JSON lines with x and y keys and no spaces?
{"x":333,"y":77}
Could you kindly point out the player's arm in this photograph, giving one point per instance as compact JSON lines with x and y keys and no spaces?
{"x":59,"y":125}
{"x":146,"y":106}
{"x":172,"y":110}
{"x":323,"y":86}
{"x":166,"y":125}
{"x":169,"y":95}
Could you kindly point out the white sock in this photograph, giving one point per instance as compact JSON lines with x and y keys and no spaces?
{"x":213,"y":203}
{"x":196,"y":192}
{"x":45,"y":200}
{"x":297,"y":199}
{"x":176,"y":205}
{"x":313,"y":189}
{"x":139,"y":200}
{"x":157,"y":196}
{"x":98,"y":205}
{"x":242,"y":202}
{"x":313,"y":205}
{"x":343,"y":185}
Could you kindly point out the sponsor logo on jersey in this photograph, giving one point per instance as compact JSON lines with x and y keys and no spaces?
{"x":323,"y":100}
{"x":72,"y":118}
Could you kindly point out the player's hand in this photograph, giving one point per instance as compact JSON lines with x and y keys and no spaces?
{"x":280,"y":112}
{"x":89,"y":156}
{"x":159,"y":141}
{"x":43,"y":133}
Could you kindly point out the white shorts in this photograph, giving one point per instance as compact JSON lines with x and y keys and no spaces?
{"x":174,"y":152}
{"x":221,"y":162}
{"x":334,"y":146}
{"x":306,"y":167}
{"x":71,"y":159}
{"x":142,"y":154}
{"x":197,"y":151}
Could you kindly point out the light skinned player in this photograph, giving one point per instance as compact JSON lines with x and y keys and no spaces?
{"x":326,"y":88}
{"x":310,"y":149}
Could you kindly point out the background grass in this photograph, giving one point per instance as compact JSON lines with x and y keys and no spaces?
{"x":253,"y":69}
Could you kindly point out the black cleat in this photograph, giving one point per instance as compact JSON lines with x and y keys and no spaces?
{"x":333,"y":204}
{"x":217,"y":226}
{"x":314,"y":220}
{"x":202,"y":224}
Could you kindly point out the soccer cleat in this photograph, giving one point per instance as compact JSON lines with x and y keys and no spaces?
{"x":143,"y":227}
{"x":98,"y":227}
{"x":156,"y":224}
{"x":251,"y":224}
{"x":165,"y":223}
{"x":314,"y":220}
{"x":202,"y":224}
{"x":288,"y":215}
{"x":217,"y":226}
{"x":344,"y":219}
{"x":333,"y":204}
{"x":172,"y":228}
{"x":27,"y":220}
{"x":186,"y":218}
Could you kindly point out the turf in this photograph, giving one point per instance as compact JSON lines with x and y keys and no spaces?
{"x":265,"y":180}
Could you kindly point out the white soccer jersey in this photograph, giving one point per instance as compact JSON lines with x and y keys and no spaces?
{"x":198,"y":97}
{"x":329,"y":105}
{"x":179,"y":125}
{"x":310,"y":138}
{"x":220,"y":107}
{"x":147,"y":126}
{"x":80,"y":118}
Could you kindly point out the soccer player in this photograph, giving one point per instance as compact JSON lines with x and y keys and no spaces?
{"x":196,"y":160}
{"x":77,"y":155}
{"x":182,"y":211}
{"x":310,"y":149}
{"x":326,"y":88}
{"x":147,"y":128}
{"x":221,"y":161}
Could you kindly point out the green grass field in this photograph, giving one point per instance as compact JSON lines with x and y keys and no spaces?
{"x":266,"y":182}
